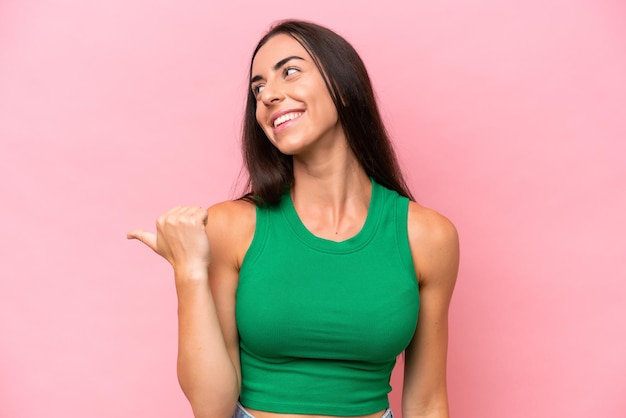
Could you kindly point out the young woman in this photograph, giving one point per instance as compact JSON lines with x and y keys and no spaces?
{"x":295,"y":300}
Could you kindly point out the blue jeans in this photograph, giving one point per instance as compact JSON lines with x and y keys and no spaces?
{"x":240,"y":412}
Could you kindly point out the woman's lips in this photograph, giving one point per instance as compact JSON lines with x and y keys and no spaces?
{"x":286,"y":120}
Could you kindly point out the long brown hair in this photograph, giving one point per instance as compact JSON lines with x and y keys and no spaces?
{"x":270,"y":173}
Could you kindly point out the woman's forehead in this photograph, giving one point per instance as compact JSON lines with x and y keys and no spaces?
{"x":276,"y":49}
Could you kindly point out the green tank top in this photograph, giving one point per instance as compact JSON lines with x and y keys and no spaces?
{"x":322,"y":322}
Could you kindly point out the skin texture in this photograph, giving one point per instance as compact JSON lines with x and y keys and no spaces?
{"x":331,"y":194}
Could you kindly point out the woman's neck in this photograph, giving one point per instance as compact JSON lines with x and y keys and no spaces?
{"x":331,"y":195}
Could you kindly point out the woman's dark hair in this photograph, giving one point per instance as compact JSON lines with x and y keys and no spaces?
{"x":270,"y":171}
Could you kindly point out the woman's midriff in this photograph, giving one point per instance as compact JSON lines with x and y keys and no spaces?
{"x":262,"y":414}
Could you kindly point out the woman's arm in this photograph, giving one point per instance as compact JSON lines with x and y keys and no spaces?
{"x":435,"y":250}
{"x":208,"y":345}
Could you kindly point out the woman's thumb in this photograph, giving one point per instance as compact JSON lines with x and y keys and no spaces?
{"x":146,"y":237}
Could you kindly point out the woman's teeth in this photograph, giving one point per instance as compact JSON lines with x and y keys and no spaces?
{"x":286,"y":117}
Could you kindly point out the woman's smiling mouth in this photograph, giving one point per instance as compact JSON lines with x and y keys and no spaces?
{"x":285,"y":120}
{"x":286,"y":117}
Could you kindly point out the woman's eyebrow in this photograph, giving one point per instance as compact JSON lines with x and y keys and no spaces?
{"x":277,"y":66}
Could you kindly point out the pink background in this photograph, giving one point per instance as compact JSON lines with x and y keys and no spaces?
{"x":509,"y":118}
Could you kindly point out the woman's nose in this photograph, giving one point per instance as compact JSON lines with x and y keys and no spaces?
{"x":271,"y":94}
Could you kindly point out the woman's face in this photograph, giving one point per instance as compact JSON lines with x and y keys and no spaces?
{"x":294,"y":107}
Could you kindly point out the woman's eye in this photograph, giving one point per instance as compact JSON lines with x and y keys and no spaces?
{"x":290,"y":70}
{"x":258,"y":89}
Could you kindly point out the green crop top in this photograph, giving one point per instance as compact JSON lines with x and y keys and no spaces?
{"x":322,"y":322}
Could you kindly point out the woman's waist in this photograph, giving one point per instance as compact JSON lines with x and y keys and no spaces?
{"x":243,"y":412}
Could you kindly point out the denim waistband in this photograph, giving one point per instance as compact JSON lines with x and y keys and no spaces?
{"x":241,"y":412}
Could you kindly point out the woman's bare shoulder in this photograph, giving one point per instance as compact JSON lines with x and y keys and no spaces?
{"x":428,"y":223}
{"x":230,"y":228}
{"x":434,"y":240}
{"x":232,"y":211}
